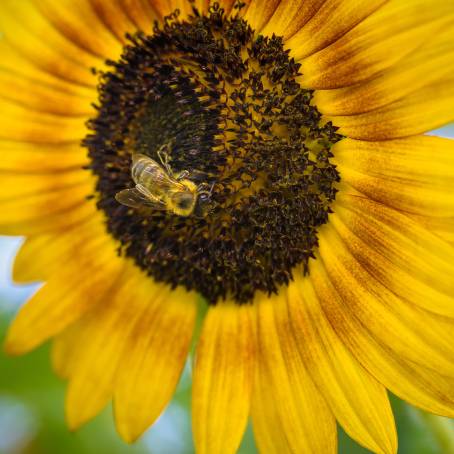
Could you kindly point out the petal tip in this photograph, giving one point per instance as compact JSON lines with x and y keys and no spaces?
{"x":128,"y":433}
{"x":14,"y":345}
{"x":126,"y":426}
{"x":75,"y":418}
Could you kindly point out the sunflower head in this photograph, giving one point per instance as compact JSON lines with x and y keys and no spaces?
{"x":226,"y":105}
{"x":266,"y":155}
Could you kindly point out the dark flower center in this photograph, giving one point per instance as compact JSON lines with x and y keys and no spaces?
{"x":220,"y":113}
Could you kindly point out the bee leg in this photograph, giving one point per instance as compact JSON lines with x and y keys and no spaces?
{"x":164,"y":157}
{"x":202,"y":173}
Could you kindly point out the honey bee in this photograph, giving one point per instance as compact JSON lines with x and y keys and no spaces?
{"x":159,"y":188}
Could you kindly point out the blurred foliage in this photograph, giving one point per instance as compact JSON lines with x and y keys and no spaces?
{"x":29,"y":383}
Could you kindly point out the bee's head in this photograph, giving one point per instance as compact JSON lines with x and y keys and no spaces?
{"x":204,"y":205}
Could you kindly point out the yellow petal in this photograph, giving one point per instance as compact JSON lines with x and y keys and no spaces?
{"x":48,"y":211}
{"x":223,"y":374}
{"x":426,"y":109}
{"x":68,"y":345}
{"x":398,"y":252}
{"x":23,"y":157}
{"x":109,"y":340}
{"x":427,"y":65}
{"x":78,"y":286}
{"x":203,"y":5}
{"x":41,"y":256}
{"x":23,"y":124}
{"x":290,"y":16}
{"x":36,"y":96}
{"x":162,"y":7}
{"x":332,"y":20}
{"x":27,"y":270}
{"x":442,"y":227}
{"x":269,"y":432}
{"x":152,"y":363}
{"x":82,"y":26}
{"x":308,"y":424}
{"x":44,"y":214}
{"x":30,"y":68}
{"x":18,"y":186}
{"x":406,"y":330}
{"x":65,"y":348}
{"x":186,"y":7}
{"x":140,"y":12}
{"x":377,"y":43}
{"x":259,"y":13}
{"x":115,"y":19}
{"x":359,"y":403}
{"x":414,"y":383}
{"x":228,"y":7}
{"x":415,"y":175}
{"x":31,"y":35}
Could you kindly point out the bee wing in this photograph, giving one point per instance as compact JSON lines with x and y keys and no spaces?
{"x":159,"y":181}
{"x":135,"y":199}
{"x":153,"y":176}
{"x":137,"y":156}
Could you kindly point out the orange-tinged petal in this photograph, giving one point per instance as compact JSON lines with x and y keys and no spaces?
{"x":442,"y":227}
{"x":259,"y":13}
{"x":427,"y":109}
{"x":162,"y":7}
{"x":406,"y":330}
{"x":377,"y":43}
{"x":398,"y":252}
{"x":414,"y":383}
{"x":152,"y":364}
{"x":287,"y":382}
{"x":22,"y":124}
{"x":223,"y":374}
{"x":29,"y":68}
{"x":290,"y":16}
{"x":359,"y":403}
{"x":229,"y":4}
{"x":203,"y":5}
{"x":332,"y":20}
{"x":414,"y":175}
{"x":114,"y":18}
{"x":82,"y":26}
{"x":141,"y":12}
{"x":43,"y":98}
{"x":435,"y":59}
{"x":32,"y":36}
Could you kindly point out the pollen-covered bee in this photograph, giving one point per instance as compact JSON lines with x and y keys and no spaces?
{"x":159,"y":188}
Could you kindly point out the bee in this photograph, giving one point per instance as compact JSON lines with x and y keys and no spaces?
{"x":159,"y":188}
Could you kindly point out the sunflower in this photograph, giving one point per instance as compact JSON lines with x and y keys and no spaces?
{"x":262,"y":161}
